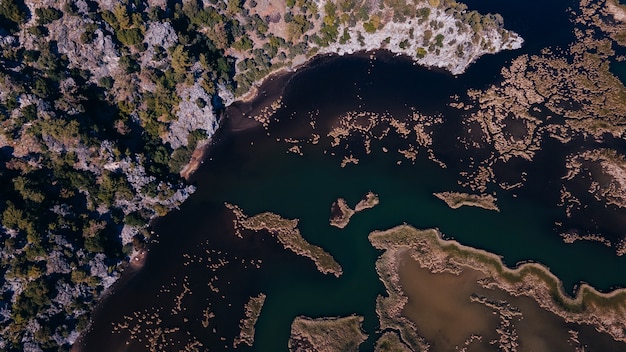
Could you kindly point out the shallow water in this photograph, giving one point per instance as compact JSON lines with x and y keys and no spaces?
{"x":440,"y":306}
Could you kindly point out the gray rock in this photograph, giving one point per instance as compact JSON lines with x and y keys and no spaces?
{"x":57,"y":264}
{"x":161,"y":34}
{"x":191,"y":116}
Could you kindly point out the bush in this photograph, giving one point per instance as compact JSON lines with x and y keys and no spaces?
{"x":47,"y":15}
{"x":179,"y":159}
{"x":11,"y":11}
{"x":369,"y":27}
{"x":38,"y":31}
{"x":106,"y":82}
{"x":135,"y":219}
{"x":439,"y":40}
{"x":89,"y":34}
{"x":128,"y":64}
{"x":129,"y":37}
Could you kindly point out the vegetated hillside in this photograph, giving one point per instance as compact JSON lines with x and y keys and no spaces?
{"x":103,"y":102}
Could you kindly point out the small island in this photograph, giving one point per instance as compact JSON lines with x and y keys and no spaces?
{"x":456,"y":200}
{"x":327,"y":334}
{"x":341,"y":212}
{"x":253,"y":310}
{"x":288,"y":234}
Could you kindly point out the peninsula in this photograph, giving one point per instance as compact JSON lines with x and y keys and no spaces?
{"x":485,"y":270}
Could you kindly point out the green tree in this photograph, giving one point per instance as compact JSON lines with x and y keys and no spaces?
{"x":12,"y":11}
{"x":15,"y":218}
{"x":121,"y":16}
{"x":180,"y":60}
{"x":439,"y":40}
{"x":128,"y":37}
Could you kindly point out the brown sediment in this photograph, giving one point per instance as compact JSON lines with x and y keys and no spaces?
{"x":456,"y":200}
{"x":389,"y":309}
{"x":442,"y":300}
{"x":326,"y":334}
{"x":194,"y":163}
{"x":287,"y":234}
{"x":246,"y":326}
{"x":296,"y":149}
{"x":416,"y":129}
{"x":138,"y":259}
{"x":568,"y":201}
{"x":410,"y":153}
{"x":207,"y":315}
{"x":146,"y":328}
{"x":621,"y":247}
{"x":178,"y":299}
{"x":603,"y":311}
{"x":602,"y":173}
{"x":264,"y":115}
{"x":341,"y":212}
{"x":253,"y":93}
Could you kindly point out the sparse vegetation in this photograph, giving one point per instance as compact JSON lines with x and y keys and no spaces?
{"x":327,"y":334}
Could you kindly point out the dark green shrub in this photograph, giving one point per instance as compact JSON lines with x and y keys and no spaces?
{"x":47,"y":15}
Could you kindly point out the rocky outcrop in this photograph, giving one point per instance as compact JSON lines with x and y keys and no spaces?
{"x":195,"y":112}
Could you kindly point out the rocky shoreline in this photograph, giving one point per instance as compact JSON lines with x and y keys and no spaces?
{"x":420,"y":36}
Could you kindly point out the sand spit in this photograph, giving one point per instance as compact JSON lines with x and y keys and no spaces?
{"x":287,"y":233}
{"x":341,"y":212}
{"x":603,"y":311}
{"x":253,"y":310}
{"x":327,"y":334}
{"x":456,"y":200}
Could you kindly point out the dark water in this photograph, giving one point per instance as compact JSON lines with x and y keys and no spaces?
{"x":250,"y":169}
